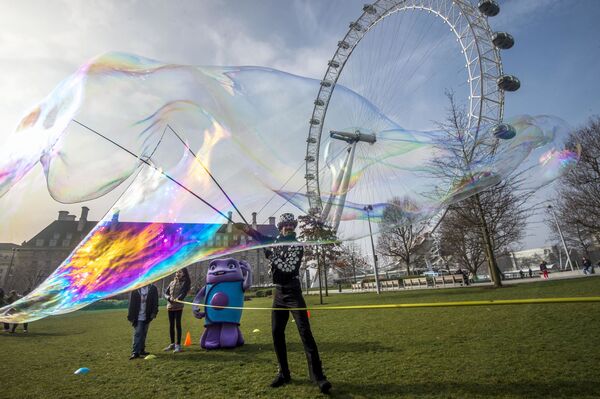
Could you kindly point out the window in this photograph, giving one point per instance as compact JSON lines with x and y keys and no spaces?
{"x":69,"y":236}
{"x":39,"y":242}
{"x":66,"y":243}
{"x":52,"y":243}
{"x":56,"y":236}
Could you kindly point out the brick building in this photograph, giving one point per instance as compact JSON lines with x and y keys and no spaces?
{"x":33,"y":261}
{"x":36,"y":258}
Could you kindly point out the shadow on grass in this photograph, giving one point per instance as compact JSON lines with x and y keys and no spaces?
{"x":248,"y":352}
{"x":525,"y":389}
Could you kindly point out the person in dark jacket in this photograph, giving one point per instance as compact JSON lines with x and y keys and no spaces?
{"x":587,"y":265}
{"x":285,"y":261}
{"x":143,"y":308}
{"x":177,"y":290}
{"x":13,"y":297}
{"x":544,"y":269}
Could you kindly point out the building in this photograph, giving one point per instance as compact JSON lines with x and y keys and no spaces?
{"x":36,"y":258}
{"x":8,"y":252}
{"x":33,"y":261}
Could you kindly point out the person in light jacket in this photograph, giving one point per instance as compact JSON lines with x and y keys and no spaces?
{"x":177,"y":290}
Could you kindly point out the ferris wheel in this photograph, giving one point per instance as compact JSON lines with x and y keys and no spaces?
{"x":482,"y":72}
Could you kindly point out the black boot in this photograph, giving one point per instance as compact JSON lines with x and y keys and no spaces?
{"x":324,"y":385}
{"x":280,"y":380}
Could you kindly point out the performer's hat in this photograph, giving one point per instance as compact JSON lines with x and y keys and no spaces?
{"x":287,"y":219}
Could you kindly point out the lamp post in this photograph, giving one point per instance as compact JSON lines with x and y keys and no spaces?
{"x":368,"y":209}
{"x":562,"y":238}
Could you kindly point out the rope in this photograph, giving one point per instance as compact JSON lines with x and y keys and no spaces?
{"x":488,"y":302}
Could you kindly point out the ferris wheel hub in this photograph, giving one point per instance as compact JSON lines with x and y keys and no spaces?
{"x":353,"y":137}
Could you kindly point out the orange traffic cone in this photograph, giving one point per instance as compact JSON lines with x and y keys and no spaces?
{"x":188,"y":339}
{"x":308,"y":313}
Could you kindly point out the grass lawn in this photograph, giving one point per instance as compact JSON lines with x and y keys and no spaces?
{"x":528,"y":351}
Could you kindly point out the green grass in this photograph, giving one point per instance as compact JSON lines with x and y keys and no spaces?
{"x":528,"y":351}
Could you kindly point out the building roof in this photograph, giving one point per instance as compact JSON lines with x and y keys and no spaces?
{"x":60,"y":230}
{"x":8,"y":245}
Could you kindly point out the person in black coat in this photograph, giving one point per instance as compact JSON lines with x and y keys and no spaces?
{"x":143,"y":308}
{"x":285,"y":260}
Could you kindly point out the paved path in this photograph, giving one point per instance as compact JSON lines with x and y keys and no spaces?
{"x":552,"y":276}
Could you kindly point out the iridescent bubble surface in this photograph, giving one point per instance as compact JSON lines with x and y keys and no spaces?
{"x":122,"y":119}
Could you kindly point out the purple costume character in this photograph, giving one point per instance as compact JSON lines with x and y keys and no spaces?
{"x":226,"y":281}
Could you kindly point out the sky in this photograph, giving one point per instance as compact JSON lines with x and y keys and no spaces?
{"x":556,"y":57}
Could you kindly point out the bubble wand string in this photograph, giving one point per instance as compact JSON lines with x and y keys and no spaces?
{"x":155,"y":168}
{"x":210,"y":174}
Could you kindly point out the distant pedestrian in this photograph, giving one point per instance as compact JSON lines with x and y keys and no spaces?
{"x":177,"y":290}
{"x":530,"y":272}
{"x":587,"y":265}
{"x":13,"y":297}
{"x":3,"y":303}
{"x":465,"y":276}
{"x":143,"y":308}
{"x":521,"y":274}
{"x":544,"y":269}
{"x":472,"y":277}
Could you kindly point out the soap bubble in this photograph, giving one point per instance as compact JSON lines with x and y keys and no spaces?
{"x":192,"y":142}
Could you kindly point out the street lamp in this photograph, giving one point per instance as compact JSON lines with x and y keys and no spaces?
{"x":368,"y":209}
{"x":562,"y":238}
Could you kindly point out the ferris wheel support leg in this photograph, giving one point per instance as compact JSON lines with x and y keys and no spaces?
{"x":344,"y":188}
{"x":336,"y":188}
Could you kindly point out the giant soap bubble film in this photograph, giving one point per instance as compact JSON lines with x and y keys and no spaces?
{"x":188,"y":143}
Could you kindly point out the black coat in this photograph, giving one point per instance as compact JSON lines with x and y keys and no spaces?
{"x":151,"y":305}
{"x":285,"y":260}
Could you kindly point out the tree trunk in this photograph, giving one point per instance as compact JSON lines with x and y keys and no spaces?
{"x":319,"y":275}
{"x":489,"y":249}
{"x":325,"y":278}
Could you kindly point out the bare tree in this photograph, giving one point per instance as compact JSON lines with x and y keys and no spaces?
{"x":401,"y":234}
{"x":578,"y":200}
{"x":502,"y":207}
{"x":351,"y":262}
{"x":327,"y":253}
{"x":498,"y":213}
{"x":462,"y":241}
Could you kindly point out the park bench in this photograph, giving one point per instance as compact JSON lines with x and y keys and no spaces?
{"x":449,"y":280}
{"x":415,"y":282}
{"x":459,"y":279}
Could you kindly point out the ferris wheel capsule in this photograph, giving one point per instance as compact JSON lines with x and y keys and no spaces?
{"x":489,"y":8}
{"x":503,"y":40}
{"x":508,"y":83}
{"x":504,"y":131}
